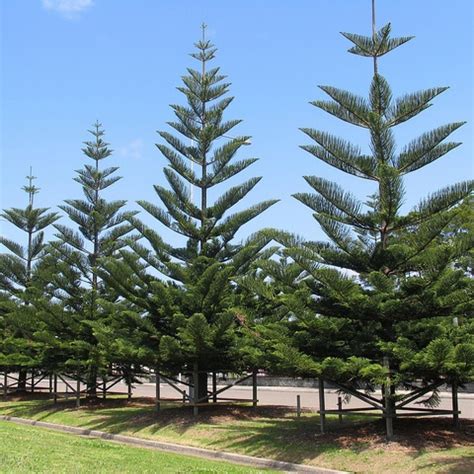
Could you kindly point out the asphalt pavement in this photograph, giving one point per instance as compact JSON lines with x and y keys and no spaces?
{"x":287,"y":396}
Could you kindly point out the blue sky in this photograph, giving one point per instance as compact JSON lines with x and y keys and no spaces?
{"x":66,"y":63}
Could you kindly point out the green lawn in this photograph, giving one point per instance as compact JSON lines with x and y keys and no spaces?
{"x":32,"y":449}
{"x":356,"y":446}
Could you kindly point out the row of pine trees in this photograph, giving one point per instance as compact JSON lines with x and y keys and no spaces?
{"x":385,"y":293}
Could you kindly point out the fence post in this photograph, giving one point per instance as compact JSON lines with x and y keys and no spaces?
{"x":104,"y":387}
{"x":78,"y":392}
{"x":157,"y":390}
{"x":32,"y":380}
{"x":339,"y":407}
{"x":5,"y":384}
{"x":254,"y":389}
{"x":322,"y":406}
{"x":50,"y":383}
{"x":298,"y":406}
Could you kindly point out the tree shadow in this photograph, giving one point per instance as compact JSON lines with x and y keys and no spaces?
{"x":293,"y":441}
{"x":450,"y":465}
{"x":271,"y":432}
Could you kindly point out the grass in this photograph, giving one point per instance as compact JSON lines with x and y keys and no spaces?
{"x":272,"y":432}
{"x":32,"y":449}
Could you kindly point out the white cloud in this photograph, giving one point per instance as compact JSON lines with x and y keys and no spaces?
{"x":132,"y":150}
{"x":67,"y":8}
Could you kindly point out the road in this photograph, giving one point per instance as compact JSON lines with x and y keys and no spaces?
{"x":286,"y":396}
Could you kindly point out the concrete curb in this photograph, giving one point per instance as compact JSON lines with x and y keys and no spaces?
{"x":176,"y":448}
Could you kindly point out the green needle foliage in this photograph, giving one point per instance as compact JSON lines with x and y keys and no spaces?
{"x":203,"y":334}
{"x":75,"y":262}
{"x":381,"y":270}
{"x":18,"y":282}
{"x":386,"y":300}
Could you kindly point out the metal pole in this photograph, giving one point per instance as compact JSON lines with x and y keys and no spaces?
{"x":322,"y":406}
{"x":454,"y":394}
{"x":32,"y":380}
{"x":298,"y":405}
{"x":104,"y":387}
{"x":50,"y":383}
{"x":254,"y":389}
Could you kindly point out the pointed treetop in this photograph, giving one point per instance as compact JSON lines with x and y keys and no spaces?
{"x":206,"y":48}
{"x":97,"y":129}
{"x":376,"y":45}
{"x":31,"y":189}
{"x":97,"y":149}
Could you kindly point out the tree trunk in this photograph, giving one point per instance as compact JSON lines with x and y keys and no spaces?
{"x":202,"y":388}
{"x":389,"y":400}
{"x":92,"y":383}
{"x":22,"y":374}
{"x":199,"y":380}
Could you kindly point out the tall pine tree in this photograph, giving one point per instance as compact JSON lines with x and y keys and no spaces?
{"x":18,"y":275}
{"x":380,"y":266}
{"x":101,"y":227}
{"x":203,"y":334}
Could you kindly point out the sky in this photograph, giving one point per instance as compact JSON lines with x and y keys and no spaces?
{"x":67,"y":63}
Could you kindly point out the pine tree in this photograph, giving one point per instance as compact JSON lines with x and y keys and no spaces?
{"x":279,"y":301}
{"x":203,"y":335}
{"x":18,"y":276}
{"x":101,"y":227}
{"x":380,"y":267}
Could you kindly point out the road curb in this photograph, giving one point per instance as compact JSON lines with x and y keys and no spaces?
{"x":176,"y":448}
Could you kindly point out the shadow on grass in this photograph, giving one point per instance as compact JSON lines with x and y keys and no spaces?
{"x":272,"y":432}
{"x":450,"y":465}
{"x":300,"y":441}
